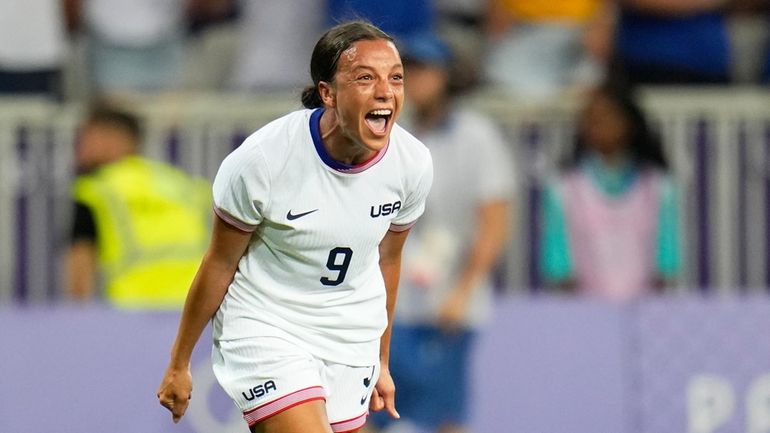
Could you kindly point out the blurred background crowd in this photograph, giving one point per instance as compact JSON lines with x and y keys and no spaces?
{"x":601,"y":87}
{"x":613,"y":149}
{"x":74,"y":49}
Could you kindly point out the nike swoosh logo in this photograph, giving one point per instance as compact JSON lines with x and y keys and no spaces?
{"x":292,"y":217}
{"x":367,"y":382}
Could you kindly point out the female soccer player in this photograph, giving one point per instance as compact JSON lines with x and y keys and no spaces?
{"x":301,"y":274}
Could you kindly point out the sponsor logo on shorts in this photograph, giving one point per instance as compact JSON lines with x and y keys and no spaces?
{"x":259,"y":390}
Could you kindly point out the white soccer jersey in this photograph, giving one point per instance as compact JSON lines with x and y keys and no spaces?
{"x":311,"y":273}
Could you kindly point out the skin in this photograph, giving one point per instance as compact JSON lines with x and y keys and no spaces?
{"x":493,"y":222}
{"x":98,"y":144}
{"x":369,"y":77}
{"x":428,"y":92}
{"x":606,"y":128}
{"x":607,"y":131}
{"x":80,"y":268}
{"x":101,"y":144}
{"x":676,"y":8}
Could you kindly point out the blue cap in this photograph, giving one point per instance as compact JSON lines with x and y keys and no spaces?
{"x":425,"y":48}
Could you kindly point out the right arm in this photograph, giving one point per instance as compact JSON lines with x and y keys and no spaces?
{"x":227,"y":246}
{"x":81,"y":260}
{"x":80,"y":270}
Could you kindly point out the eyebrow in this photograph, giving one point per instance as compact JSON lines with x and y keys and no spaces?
{"x":372,"y":68}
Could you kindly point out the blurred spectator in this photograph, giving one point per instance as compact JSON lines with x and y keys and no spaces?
{"x":32,"y":47}
{"x":766,"y":67}
{"x":748,"y":28}
{"x":461,"y":23}
{"x":751,"y":28}
{"x":205,"y":13}
{"x":610,"y":225}
{"x":539,"y":48}
{"x":132,"y":45}
{"x":143,"y":222}
{"x":445,"y":292}
{"x":673,"y":42}
{"x":467,"y":13}
{"x":267,"y":31}
{"x":398,"y":18}
{"x":211,"y":41}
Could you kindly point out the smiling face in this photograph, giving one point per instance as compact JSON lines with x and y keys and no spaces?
{"x":363,"y":101}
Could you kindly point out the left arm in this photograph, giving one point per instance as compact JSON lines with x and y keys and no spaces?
{"x":491,"y":237}
{"x":391,"y":246}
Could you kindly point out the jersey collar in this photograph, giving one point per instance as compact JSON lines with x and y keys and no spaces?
{"x":315,"y":133}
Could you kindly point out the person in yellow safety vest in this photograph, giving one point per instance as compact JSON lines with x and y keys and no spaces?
{"x":142,"y":224}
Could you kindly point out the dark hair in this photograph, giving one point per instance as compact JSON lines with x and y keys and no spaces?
{"x":644,"y":145}
{"x":327,"y":51}
{"x":110,"y":115}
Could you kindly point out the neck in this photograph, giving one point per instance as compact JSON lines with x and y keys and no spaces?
{"x":339,"y":146}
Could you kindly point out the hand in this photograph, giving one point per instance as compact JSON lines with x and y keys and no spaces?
{"x":384,"y":394}
{"x":452,"y":311}
{"x":175,"y":392}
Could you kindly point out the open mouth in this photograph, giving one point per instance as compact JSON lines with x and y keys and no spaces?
{"x":377,"y":120}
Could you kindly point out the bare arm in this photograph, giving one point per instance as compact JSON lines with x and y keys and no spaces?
{"x":208,"y":289}
{"x":390,"y":265}
{"x":493,"y":228}
{"x":80,"y":264}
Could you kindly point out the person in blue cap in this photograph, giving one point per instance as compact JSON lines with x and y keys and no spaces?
{"x":446,"y":289}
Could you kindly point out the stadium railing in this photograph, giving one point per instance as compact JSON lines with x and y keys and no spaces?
{"x":717,"y":140}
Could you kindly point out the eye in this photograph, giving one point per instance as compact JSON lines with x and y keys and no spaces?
{"x":365,"y":77}
{"x":398,"y":77}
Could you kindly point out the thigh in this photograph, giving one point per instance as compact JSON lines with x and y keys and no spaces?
{"x":268,"y":376}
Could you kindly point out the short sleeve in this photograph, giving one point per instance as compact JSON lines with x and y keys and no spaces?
{"x":414,"y":204}
{"x":668,"y":258}
{"x":83,"y":224}
{"x":241,"y":189}
{"x":555,"y":259}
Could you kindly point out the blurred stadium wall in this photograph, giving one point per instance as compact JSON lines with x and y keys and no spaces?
{"x":546,"y":365}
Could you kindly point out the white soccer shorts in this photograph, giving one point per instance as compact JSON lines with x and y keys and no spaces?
{"x":267,"y":375}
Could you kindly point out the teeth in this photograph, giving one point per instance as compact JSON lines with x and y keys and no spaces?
{"x":381,"y":112}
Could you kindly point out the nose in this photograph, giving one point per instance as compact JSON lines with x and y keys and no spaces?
{"x":383,"y":90}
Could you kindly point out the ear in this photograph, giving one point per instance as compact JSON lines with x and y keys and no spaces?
{"x":328,"y":94}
